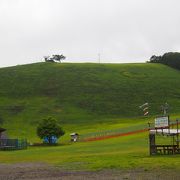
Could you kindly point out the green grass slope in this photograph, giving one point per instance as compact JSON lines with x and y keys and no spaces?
{"x":83,"y":94}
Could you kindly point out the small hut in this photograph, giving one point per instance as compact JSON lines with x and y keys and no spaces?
{"x":74,"y":137}
{"x":2,"y":133}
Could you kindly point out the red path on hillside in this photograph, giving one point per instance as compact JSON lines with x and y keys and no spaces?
{"x":116,"y":135}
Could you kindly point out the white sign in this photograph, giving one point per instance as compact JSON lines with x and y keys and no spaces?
{"x":161,"y":122}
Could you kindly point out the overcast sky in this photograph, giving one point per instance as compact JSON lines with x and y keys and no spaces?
{"x":120,"y":30}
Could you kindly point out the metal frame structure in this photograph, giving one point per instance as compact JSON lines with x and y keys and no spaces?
{"x":13,"y":144}
{"x":168,"y":131}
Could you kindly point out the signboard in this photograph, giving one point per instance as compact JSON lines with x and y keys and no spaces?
{"x":161,"y":122}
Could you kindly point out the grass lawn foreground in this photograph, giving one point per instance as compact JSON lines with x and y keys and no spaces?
{"x":117,"y":153}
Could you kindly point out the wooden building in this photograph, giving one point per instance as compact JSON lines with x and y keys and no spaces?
{"x":2,"y":133}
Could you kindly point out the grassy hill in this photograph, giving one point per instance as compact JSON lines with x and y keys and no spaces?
{"x":83,"y":94}
{"x":88,"y":98}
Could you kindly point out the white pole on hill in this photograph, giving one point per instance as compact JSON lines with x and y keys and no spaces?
{"x":99,"y":58}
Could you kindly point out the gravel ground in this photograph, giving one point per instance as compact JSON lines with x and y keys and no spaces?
{"x":40,"y":171}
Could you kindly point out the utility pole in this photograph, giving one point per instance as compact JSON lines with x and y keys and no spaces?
{"x":165,"y":109}
{"x":99,"y":58}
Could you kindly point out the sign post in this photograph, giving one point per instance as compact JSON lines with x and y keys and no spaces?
{"x":162,"y":122}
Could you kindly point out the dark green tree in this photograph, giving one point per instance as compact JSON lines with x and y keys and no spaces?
{"x":155,"y":59}
{"x":58,"y":57}
{"x":171,"y":59}
{"x":49,"y":128}
{"x":54,"y":58}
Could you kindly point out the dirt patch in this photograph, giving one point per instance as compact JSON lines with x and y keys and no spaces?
{"x":40,"y":171}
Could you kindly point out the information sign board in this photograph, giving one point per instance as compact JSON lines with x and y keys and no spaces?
{"x":161,"y":122}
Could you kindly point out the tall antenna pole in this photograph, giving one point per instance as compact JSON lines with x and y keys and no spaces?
{"x":99,"y":58}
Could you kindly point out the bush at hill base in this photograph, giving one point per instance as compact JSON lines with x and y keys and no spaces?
{"x":49,"y":130}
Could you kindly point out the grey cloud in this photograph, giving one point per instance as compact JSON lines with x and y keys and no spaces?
{"x":121,"y":30}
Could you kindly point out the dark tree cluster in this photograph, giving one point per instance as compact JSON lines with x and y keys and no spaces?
{"x":171,"y":59}
{"x":155,"y":59}
{"x":54,"y":58}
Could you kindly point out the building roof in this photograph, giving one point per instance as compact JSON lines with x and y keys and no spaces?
{"x":165,"y":131}
{"x":2,"y":129}
{"x":73,"y":134}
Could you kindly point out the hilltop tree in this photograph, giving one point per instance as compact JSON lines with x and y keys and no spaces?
{"x":155,"y":59}
{"x":48,"y":59}
{"x":54,"y":58}
{"x":49,"y":128}
{"x":58,"y":57}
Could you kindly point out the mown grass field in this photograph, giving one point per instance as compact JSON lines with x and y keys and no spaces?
{"x":87,"y":98}
{"x":118,"y":153}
